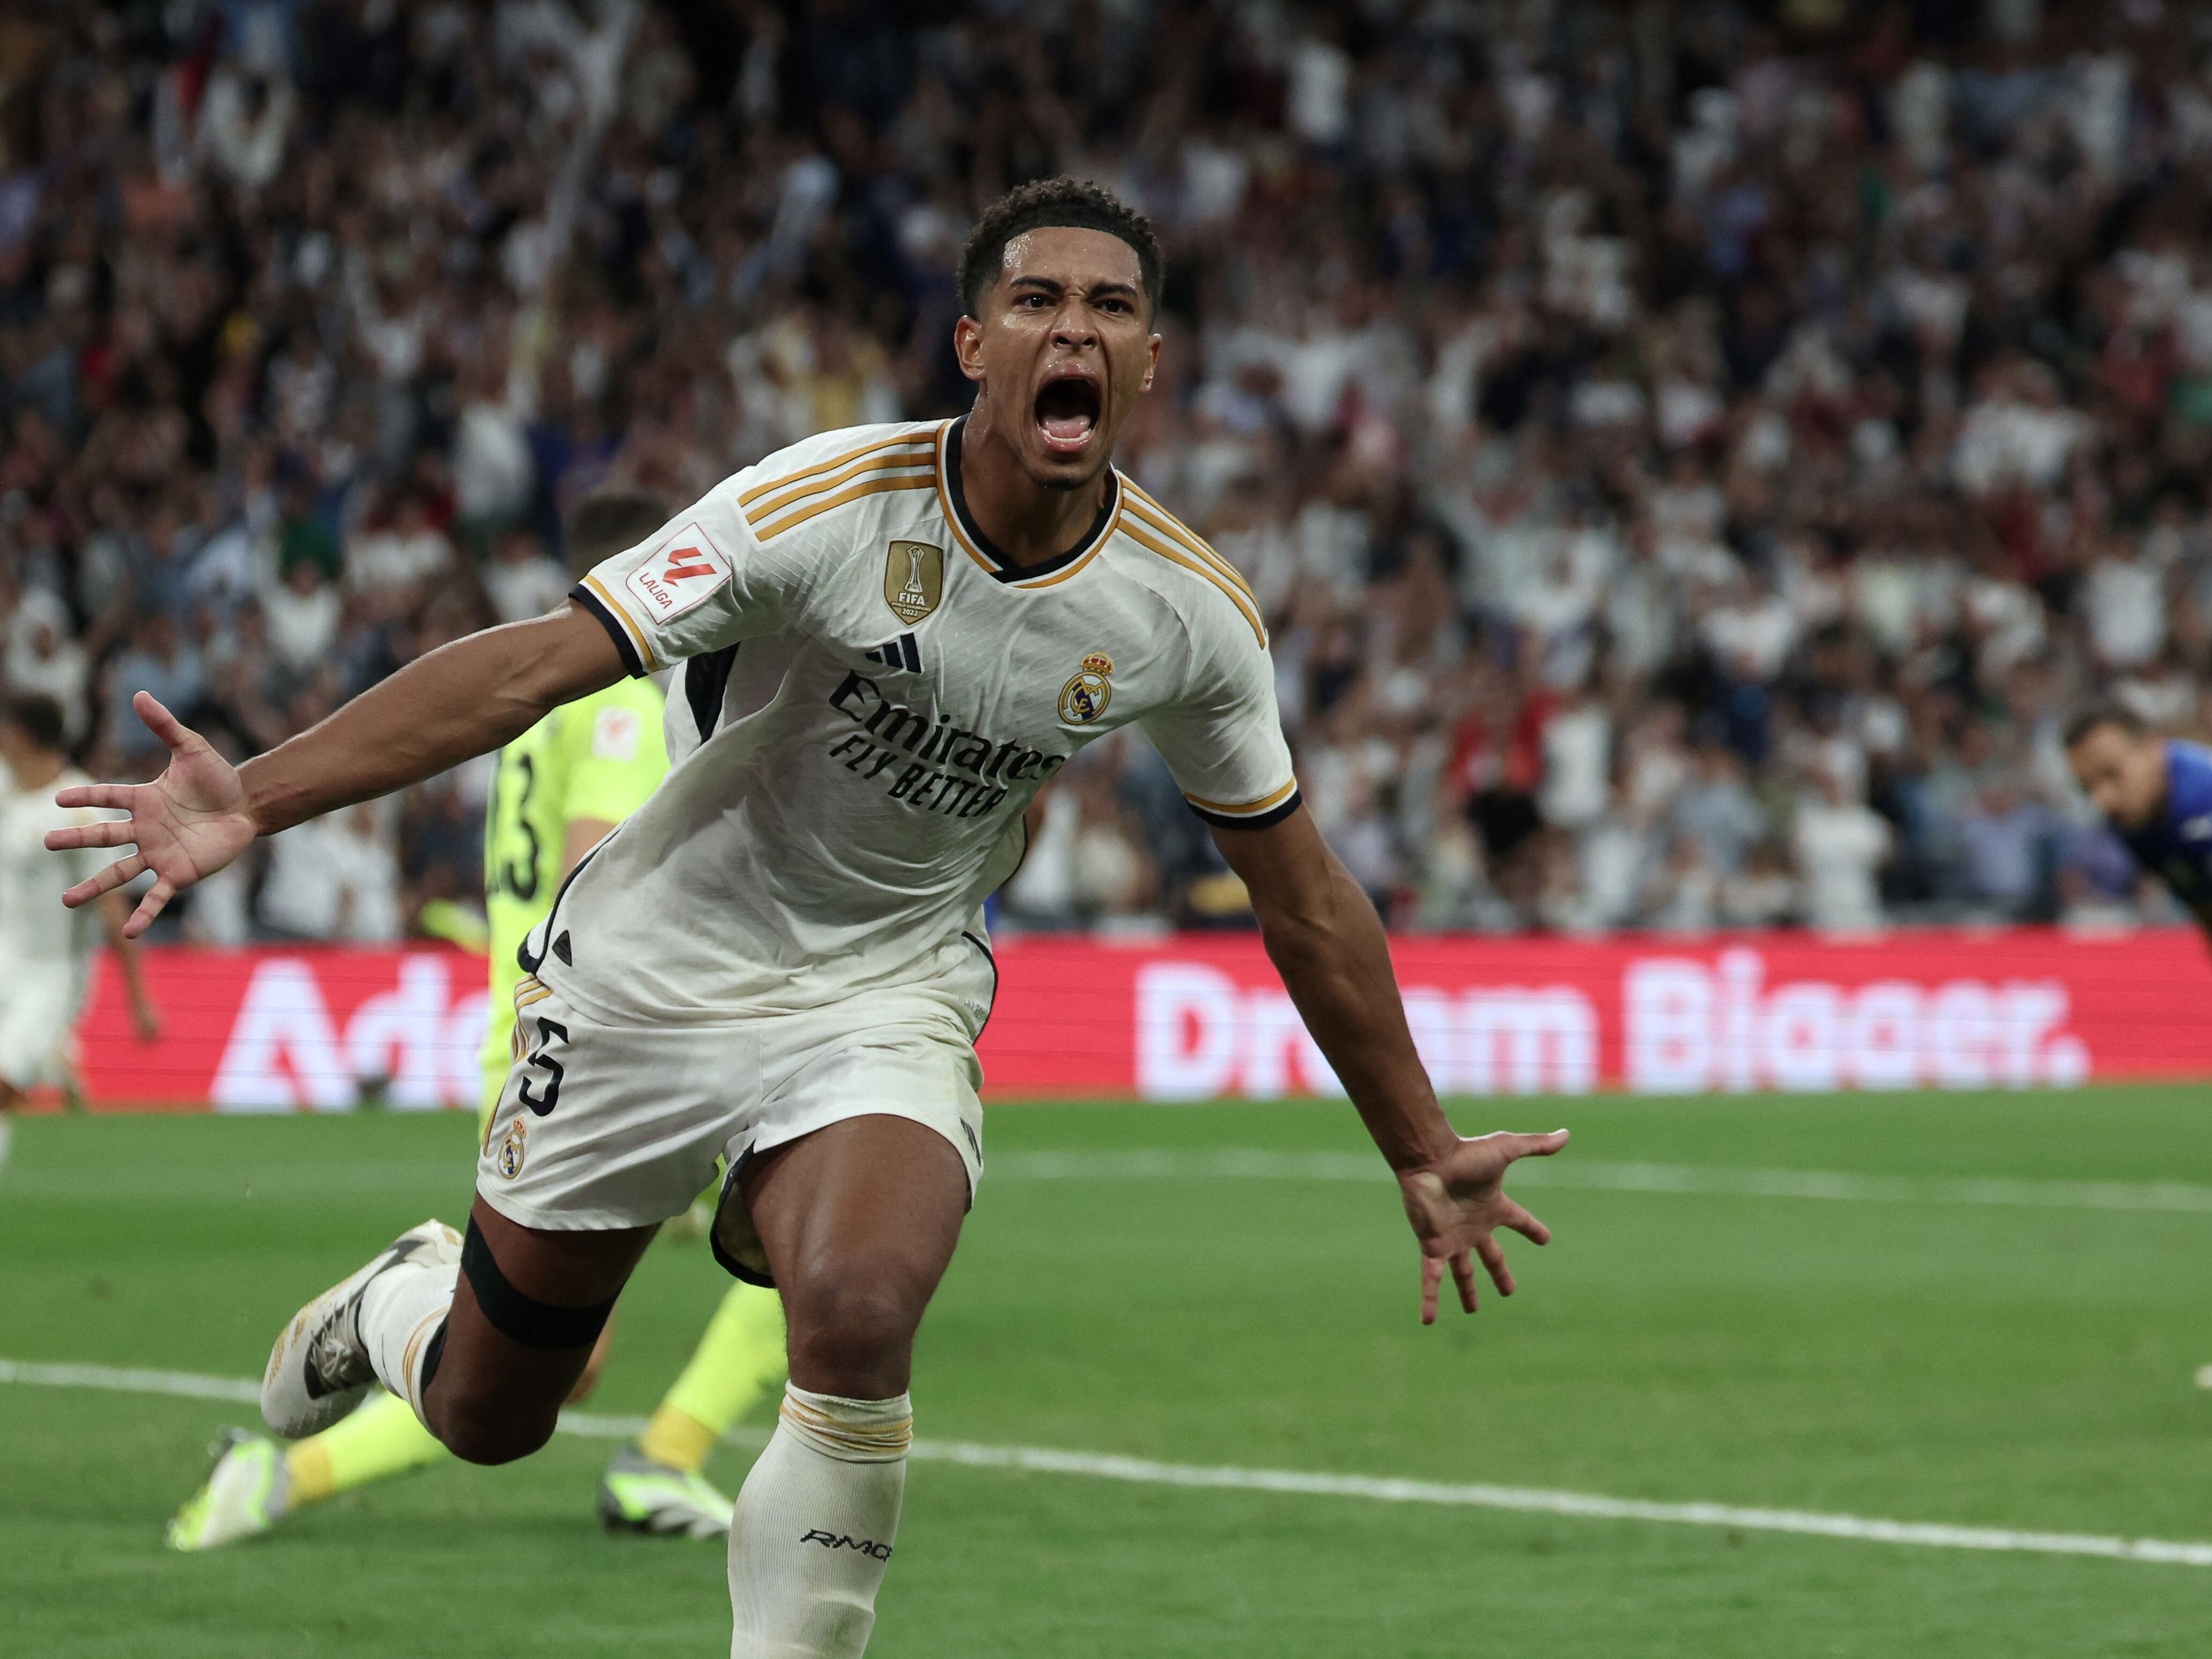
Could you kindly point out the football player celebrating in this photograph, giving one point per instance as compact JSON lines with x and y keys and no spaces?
{"x":779,"y":960}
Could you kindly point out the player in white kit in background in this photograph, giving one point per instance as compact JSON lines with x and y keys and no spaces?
{"x":47,"y":952}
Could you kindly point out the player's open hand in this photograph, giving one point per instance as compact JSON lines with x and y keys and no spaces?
{"x":186,"y":824}
{"x":1457,"y":1204}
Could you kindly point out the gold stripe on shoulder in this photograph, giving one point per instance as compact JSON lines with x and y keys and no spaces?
{"x":1149,"y":505}
{"x":868,"y":486}
{"x":1175,"y":555}
{"x":637,"y":634}
{"x":1167,"y":524}
{"x":817,"y":484}
{"x":762,"y":520}
{"x":1246,"y":808}
{"x":770,"y":487}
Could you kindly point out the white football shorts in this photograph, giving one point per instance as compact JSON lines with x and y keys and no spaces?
{"x":606,"y":1125}
{"x":39,"y":1001}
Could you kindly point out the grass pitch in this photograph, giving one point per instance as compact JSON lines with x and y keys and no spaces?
{"x":1996,"y":1364}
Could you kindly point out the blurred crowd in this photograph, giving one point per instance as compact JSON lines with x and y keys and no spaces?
{"x":1692,"y":455}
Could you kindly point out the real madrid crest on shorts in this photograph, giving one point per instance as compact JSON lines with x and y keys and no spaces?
{"x":508,"y":1160}
{"x":1086,"y":694}
{"x":913,"y":580}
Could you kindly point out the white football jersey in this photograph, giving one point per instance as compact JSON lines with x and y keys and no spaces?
{"x":34,"y":925}
{"x":871,"y":697}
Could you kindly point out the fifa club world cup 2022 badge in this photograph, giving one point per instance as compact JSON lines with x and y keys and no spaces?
{"x":1088,"y":690}
{"x":913,"y":580}
{"x":511,"y":1150}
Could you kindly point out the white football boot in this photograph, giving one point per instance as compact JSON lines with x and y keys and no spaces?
{"x":319,"y":1368}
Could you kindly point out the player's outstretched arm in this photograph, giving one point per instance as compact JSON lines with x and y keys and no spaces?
{"x":458,"y":701}
{"x":1326,"y":940}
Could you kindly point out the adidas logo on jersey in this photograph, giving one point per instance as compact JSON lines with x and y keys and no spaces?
{"x":901,"y":652}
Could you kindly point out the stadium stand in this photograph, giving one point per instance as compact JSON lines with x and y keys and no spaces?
{"x":1692,"y":455}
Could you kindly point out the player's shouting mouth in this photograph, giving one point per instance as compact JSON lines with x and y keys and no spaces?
{"x":1067,"y":410}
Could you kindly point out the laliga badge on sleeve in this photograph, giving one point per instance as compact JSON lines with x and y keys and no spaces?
{"x":682,"y":576}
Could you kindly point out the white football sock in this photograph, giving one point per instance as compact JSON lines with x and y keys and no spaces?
{"x":7,"y":1135}
{"x":814,"y":1527}
{"x":401,"y":1308}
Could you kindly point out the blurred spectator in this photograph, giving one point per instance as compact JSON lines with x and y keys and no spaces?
{"x":395,"y":560}
{"x":42,"y":657}
{"x":521,"y":580}
{"x":333,"y":880}
{"x":302,"y":610}
{"x":1840,"y":846}
{"x":2005,"y":837}
{"x":161,"y":661}
{"x":1762,"y":894}
{"x":1716,"y":813}
{"x":2123,"y":602}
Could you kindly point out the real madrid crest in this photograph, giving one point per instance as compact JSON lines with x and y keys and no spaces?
{"x":1086,"y":694}
{"x":913,"y":580}
{"x":508,"y":1160}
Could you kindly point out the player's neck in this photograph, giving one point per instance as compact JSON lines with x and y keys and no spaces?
{"x":1026,"y":522}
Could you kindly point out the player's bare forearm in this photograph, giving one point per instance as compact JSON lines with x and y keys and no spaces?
{"x":1327,"y":942}
{"x":459,"y":701}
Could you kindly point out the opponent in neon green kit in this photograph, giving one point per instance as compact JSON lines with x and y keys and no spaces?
{"x":562,"y":787}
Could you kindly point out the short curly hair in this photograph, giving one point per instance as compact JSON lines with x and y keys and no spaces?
{"x":1072,"y":203}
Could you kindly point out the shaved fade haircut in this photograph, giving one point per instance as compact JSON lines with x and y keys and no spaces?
{"x":1061,"y":203}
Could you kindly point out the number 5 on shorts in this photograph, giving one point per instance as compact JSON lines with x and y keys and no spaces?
{"x":540,"y":1059}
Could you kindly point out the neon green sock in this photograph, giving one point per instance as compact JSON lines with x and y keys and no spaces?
{"x":738,"y":1359}
{"x":382,"y":1439}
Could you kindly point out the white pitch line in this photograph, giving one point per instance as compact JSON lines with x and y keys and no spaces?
{"x":116,"y":1380}
{"x":1584,"y":1505}
{"x":1040,"y":1460}
{"x":309,"y":1184}
{"x":1567,"y":1171}
{"x":244,"y":1390}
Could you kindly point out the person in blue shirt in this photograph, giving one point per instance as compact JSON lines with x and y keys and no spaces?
{"x":2156,"y":794}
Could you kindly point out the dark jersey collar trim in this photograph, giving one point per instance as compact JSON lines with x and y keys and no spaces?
{"x":1003,"y":568}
